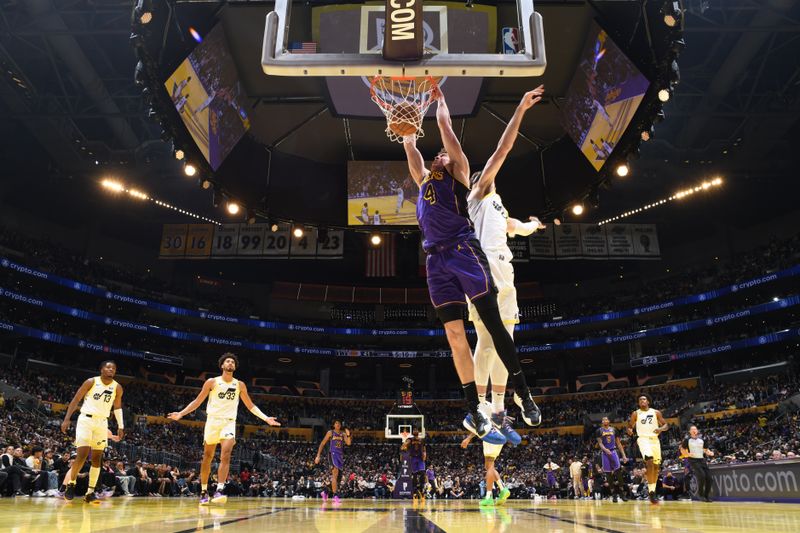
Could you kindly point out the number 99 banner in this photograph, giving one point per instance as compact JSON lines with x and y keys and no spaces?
{"x":204,"y":241}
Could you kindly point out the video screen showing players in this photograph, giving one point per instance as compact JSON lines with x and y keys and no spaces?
{"x":207,"y":94}
{"x":380,"y":193}
{"x":605,"y":93}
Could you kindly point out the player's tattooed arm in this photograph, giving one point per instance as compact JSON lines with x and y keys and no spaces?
{"x":73,"y":405}
{"x":631,"y":423}
{"x":197,"y":402}
{"x":322,"y":446}
{"x":663,"y":425}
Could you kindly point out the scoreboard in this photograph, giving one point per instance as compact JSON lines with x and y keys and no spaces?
{"x":209,"y":241}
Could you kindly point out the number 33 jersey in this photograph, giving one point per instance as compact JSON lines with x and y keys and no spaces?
{"x":223,"y":400}
{"x":100,"y":398}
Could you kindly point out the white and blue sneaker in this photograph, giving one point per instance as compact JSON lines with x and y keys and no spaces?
{"x":503,"y":424}
{"x":484,"y":429}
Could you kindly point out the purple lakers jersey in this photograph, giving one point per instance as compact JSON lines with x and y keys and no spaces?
{"x":442,"y":210}
{"x":608,"y":437}
{"x":337,"y":443}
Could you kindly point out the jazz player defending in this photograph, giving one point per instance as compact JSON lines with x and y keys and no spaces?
{"x":649,"y":423}
{"x":223,"y":393}
{"x":338,"y":440}
{"x":609,"y":443}
{"x":490,"y":454}
{"x":492,"y":223}
{"x":456,"y":266}
{"x":99,"y":394}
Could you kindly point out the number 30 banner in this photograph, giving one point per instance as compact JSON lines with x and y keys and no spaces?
{"x":207,"y":241}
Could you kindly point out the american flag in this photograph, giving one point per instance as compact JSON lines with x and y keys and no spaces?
{"x":298,"y":47}
{"x":381,"y":259}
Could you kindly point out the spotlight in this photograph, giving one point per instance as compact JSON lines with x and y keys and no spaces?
{"x":189,"y":169}
{"x":112,"y":185}
{"x":138,"y":194}
{"x":144,"y":11}
{"x":375,"y":239}
{"x":273,"y":228}
{"x":298,"y":232}
{"x":251,"y":217}
{"x":196,"y":36}
{"x":205,"y":184}
{"x":233,"y":208}
{"x":664,"y":94}
{"x":648,"y":133}
{"x":672,"y":13}
{"x":179,"y":154}
{"x":577,"y":209}
{"x":622,"y":171}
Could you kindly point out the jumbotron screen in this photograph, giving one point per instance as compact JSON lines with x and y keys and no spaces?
{"x":206,"y":92}
{"x":605,"y":93}
{"x":380,"y":193}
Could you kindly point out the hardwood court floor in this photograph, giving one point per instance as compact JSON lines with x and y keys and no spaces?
{"x":285,"y":516}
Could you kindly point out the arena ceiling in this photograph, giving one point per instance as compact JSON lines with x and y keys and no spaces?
{"x":71,"y":111}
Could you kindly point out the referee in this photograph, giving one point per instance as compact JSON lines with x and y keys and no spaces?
{"x":697,"y":452}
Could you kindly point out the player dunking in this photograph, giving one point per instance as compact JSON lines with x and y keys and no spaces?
{"x":99,"y":394}
{"x":649,"y":424}
{"x":492,"y":223}
{"x":223,"y":393}
{"x":456,"y":266}
{"x":609,"y":443}
{"x":417,"y":455}
{"x":338,"y":440}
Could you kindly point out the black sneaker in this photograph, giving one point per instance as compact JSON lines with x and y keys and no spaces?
{"x":479,"y":424}
{"x":614,"y":499}
{"x":653,"y":498}
{"x":70,"y":492}
{"x":530,"y":411}
{"x":623,"y":498}
{"x":91,"y":497}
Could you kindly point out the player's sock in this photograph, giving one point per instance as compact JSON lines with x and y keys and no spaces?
{"x":498,"y":402}
{"x":204,"y":487}
{"x":651,"y":487}
{"x":481,"y":397}
{"x":94,"y":475}
{"x":471,"y":396}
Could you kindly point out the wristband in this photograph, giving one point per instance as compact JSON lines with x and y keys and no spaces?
{"x":118,"y":416}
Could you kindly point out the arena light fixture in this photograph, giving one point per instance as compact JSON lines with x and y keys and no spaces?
{"x":705,"y":186}
{"x":577,"y":209}
{"x":298,"y":232}
{"x":205,"y":184}
{"x":179,"y":154}
{"x":351,"y":363}
{"x":284,"y":360}
{"x":232,"y":208}
{"x":189,"y":169}
{"x":273,"y":228}
{"x":647,"y":133}
{"x":144,"y":11}
{"x":375,"y":239}
{"x":664,"y":95}
{"x":622,"y":170}
{"x":195,"y":35}
{"x":118,"y":187}
{"x":672,"y":13}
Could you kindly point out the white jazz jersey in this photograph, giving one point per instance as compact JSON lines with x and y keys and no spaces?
{"x":646,"y":423}
{"x":223,"y":400}
{"x":490,"y":219}
{"x":100,"y":399}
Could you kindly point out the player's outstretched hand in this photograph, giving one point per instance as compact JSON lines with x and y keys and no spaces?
{"x":531,"y":98}
{"x":630,"y":431}
{"x":120,"y":434}
{"x":174,"y":416}
{"x":316,"y":460}
{"x":539,"y":224}
{"x":465,"y":442}
{"x":272,"y":421}
{"x":65,"y":426}
{"x":347,"y":431}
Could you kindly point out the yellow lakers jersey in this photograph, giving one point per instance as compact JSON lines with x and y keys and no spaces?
{"x":100,"y":398}
{"x":223,"y":401}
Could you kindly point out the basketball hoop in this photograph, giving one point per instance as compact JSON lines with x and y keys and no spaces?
{"x":404,"y":101}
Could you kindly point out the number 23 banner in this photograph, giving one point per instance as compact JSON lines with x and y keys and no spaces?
{"x":208,"y":241}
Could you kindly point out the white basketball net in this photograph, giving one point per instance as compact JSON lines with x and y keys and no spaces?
{"x":402,"y":100}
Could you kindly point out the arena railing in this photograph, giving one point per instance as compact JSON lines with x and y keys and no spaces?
{"x":326,"y":330}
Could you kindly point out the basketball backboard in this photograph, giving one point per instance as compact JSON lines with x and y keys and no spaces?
{"x":531,"y":60}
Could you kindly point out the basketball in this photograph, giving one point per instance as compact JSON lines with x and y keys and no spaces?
{"x":404,"y":119}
